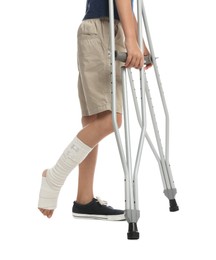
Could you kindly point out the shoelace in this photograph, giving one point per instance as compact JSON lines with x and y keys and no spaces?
{"x":102,"y":202}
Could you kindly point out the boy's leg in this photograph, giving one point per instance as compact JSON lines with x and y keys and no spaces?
{"x":93,"y":133}
{"x":85,"y":192}
{"x":86,"y":205}
{"x":89,"y":137}
{"x":54,"y":178}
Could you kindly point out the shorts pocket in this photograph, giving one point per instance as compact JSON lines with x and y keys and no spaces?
{"x":87,"y":29}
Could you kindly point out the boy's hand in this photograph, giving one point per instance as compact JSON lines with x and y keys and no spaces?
{"x":147,"y":53}
{"x":135,"y":58}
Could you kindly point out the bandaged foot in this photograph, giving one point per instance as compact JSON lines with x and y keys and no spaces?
{"x":48,"y":196}
{"x":54,"y":178}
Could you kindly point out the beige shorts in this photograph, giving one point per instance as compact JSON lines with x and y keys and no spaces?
{"x":94,"y":65}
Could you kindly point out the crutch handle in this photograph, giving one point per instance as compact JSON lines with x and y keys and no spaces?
{"x":122,"y":56}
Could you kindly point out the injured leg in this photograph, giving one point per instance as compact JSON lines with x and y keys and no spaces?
{"x":54,"y":178}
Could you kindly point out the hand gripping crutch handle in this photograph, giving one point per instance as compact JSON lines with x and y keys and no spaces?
{"x":122,"y":56}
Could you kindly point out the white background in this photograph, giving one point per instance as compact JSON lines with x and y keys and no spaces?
{"x":40,"y":114}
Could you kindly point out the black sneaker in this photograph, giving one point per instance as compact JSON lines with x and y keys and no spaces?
{"x":97,"y":209}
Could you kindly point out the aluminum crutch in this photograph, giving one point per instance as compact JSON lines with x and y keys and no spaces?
{"x":164,"y":165}
{"x":132,"y":212}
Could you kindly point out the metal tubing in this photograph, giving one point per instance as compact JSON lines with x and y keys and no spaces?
{"x":131,"y":175}
{"x":113,"y":83}
{"x":158,"y":81}
{"x":143,"y":82}
{"x":139,"y":20}
{"x":137,"y":164}
{"x":160,"y":148}
{"x":129,"y":178}
{"x":112,"y":51}
{"x":164,"y":159}
{"x":133,"y":90}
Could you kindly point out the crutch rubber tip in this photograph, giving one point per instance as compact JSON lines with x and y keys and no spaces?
{"x":133,"y":231}
{"x":173,"y":205}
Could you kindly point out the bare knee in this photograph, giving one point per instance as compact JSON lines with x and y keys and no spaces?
{"x":95,"y":128}
{"x":88,"y":120}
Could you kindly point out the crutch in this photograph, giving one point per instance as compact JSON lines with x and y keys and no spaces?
{"x":132,"y":212}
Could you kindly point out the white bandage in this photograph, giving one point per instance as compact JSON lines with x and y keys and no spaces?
{"x":48,"y":197}
{"x":73,"y":155}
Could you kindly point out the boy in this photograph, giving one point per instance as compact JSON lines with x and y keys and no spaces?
{"x":94,"y":86}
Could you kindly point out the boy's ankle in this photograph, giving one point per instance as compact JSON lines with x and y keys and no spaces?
{"x":84,"y":201}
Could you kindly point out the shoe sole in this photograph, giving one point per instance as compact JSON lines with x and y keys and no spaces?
{"x":100,"y":217}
